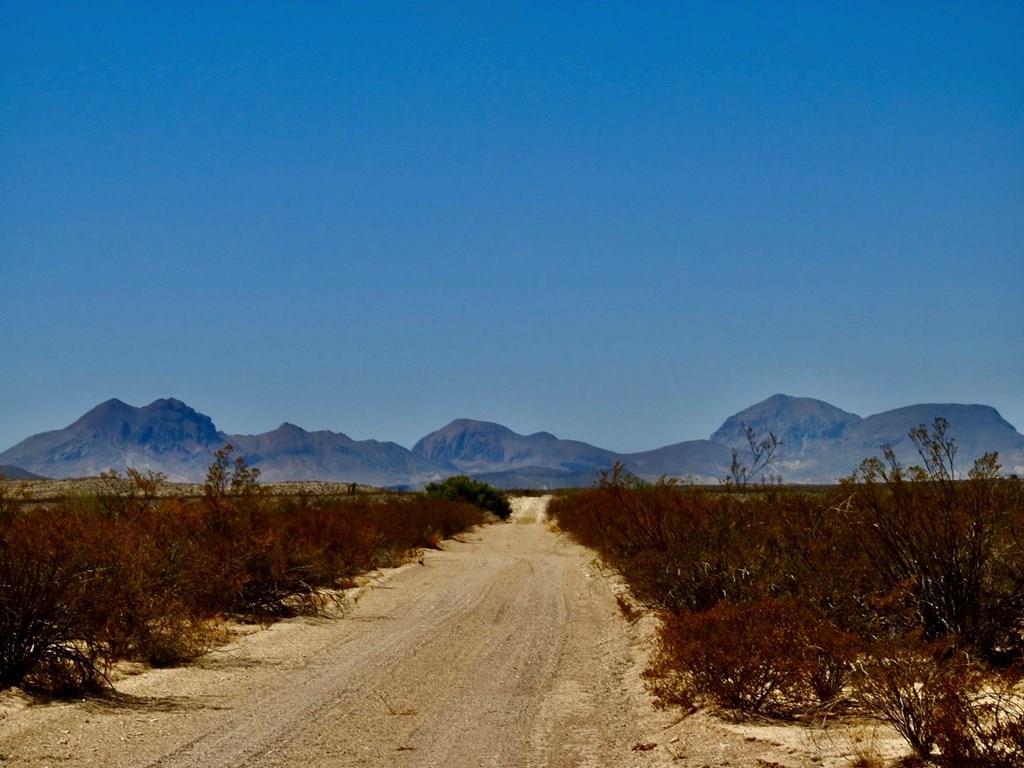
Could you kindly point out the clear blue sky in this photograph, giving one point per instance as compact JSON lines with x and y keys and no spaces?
{"x":619,"y":222}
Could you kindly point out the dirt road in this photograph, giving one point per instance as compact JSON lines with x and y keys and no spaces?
{"x":503,"y":650}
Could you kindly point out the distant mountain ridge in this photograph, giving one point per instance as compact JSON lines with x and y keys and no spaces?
{"x":167,"y":435}
{"x":481,"y":446}
{"x":820,"y":443}
{"x":508,"y":459}
{"x":291,"y":453}
{"x":171,"y":437}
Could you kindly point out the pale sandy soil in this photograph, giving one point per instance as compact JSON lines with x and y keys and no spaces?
{"x":506,"y":649}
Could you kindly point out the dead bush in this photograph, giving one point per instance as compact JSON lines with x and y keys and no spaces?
{"x":981,"y":721}
{"x":129,"y":575}
{"x":769,"y":656}
{"x":49,"y":634}
{"x":681,"y":550}
{"x":956,"y":545}
{"x":128,"y":495}
{"x":936,"y":697}
{"x":906,"y":686}
{"x":176,"y":638}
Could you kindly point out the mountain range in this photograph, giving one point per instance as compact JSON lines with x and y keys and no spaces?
{"x":819,"y":443}
{"x":171,"y":437}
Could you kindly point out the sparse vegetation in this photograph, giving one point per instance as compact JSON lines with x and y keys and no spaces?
{"x":900,"y":591}
{"x":763,"y":454}
{"x":129,"y":574}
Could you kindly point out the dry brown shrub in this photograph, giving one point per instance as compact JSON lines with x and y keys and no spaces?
{"x":981,"y":721}
{"x":49,"y":633}
{"x":132,"y":576}
{"x":769,"y":656}
{"x":679,"y":549}
{"x":906,"y":686}
{"x":956,"y":545}
{"x":176,"y":638}
{"x":935,"y":697}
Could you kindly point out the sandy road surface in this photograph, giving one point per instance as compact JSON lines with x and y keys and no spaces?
{"x":504,"y":650}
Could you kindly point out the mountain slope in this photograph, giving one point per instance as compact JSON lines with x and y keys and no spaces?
{"x":537,"y":477}
{"x":481,"y":446}
{"x":497,"y":455}
{"x":166,"y":436}
{"x":976,"y":429}
{"x":169,"y":436}
{"x":8,"y":472}
{"x":703,"y":461}
{"x":821,"y":443}
{"x":291,"y":453}
{"x":801,"y":423}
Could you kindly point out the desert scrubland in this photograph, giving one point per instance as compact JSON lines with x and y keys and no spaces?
{"x":128,"y":574}
{"x":504,"y":647}
{"x":897,"y":595}
{"x":877,"y":622}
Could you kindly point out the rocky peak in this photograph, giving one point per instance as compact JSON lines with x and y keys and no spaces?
{"x":799,"y":422}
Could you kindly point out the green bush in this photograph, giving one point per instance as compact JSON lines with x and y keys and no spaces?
{"x":463,"y":488}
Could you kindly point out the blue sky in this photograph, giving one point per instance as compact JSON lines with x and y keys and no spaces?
{"x":620,"y":222}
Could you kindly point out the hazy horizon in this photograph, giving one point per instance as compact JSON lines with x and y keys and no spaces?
{"x":618,"y":224}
